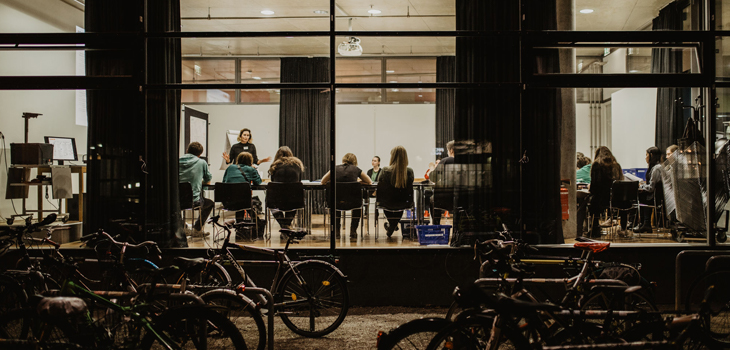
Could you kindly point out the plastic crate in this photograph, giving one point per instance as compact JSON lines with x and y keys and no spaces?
{"x":641,"y":173}
{"x":433,"y":234}
{"x":407,"y":228}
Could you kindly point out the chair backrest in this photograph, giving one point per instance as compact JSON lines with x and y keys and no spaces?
{"x":285,"y":195}
{"x":624,"y":194}
{"x":390,"y":197}
{"x":443,"y":198}
{"x":349,"y":195}
{"x":234,"y":196}
{"x":186,"y":195}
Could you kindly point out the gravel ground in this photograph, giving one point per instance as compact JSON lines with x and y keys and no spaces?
{"x":358,"y":331}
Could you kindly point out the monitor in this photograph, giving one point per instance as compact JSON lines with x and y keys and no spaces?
{"x":64,"y":148}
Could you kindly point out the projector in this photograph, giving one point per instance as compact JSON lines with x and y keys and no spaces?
{"x":351,"y":47}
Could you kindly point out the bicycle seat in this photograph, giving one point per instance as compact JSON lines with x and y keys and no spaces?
{"x":189,"y":264}
{"x":595,"y":247}
{"x":293,"y":234}
{"x":61,"y":306}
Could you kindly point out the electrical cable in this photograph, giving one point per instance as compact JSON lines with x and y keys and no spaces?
{"x":49,"y":201}
{"x":7,"y":168}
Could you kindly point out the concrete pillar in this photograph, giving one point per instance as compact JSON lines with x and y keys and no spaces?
{"x":566,"y":21}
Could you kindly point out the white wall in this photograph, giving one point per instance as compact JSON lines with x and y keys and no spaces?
{"x":583,"y":129}
{"x":373,"y":130}
{"x":263,"y":120}
{"x":57,"y":107}
{"x":633,"y":117}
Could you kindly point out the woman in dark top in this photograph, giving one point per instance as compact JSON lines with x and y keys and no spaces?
{"x":244,"y":145}
{"x":285,"y":168}
{"x":374,"y":172}
{"x":395,"y":188}
{"x":652,"y":188}
{"x":604,"y":171}
{"x":348,"y":172}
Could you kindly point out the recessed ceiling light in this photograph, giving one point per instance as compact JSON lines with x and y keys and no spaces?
{"x":395,"y":90}
{"x":374,"y":11}
{"x":256,"y":78}
{"x":320,"y":12}
{"x":420,"y":95}
{"x":264,"y":82}
{"x":586,"y":11}
{"x":390,"y":71}
{"x":393,"y":81}
{"x":289,"y":37}
{"x":267,"y":12}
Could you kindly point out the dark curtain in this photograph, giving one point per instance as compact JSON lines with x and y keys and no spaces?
{"x":495,"y":126}
{"x":163,"y":125}
{"x":669,"y":114}
{"x":304,"y":118}
{"x":116,"y":132}
{"x":445,"y":73}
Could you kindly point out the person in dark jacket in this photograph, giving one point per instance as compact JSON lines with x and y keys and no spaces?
{"x":651,"y":189}
{"x":244,"y":145}
{"x":442,"y":177}
{"x":604,"y":171}
{"x":285,"y":168}
{"x":394,"y":187}
{"x":348,"y":172}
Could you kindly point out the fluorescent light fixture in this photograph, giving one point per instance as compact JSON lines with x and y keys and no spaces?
{"x":256,"y":78}
{"x":390,"y":71}
{"x":264,"y":82}
{"x":289,"y":37}
{"x":374,"y":11}
{"x":395,"y":90}
{"x":267,"y":12}
{"x":586,"y":11}
{"x":420,"y":95}
{"x":393,"y":81}
{"x":320,"y":12}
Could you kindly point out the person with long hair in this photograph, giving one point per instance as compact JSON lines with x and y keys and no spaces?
{"x":604,"y":171}
{"x":651,"y":189}
{"x":240,"y":172}
{"x":244,"y":145}
{"x":398,"y":179}
{"x":285,"y":168}
{"x":348,"y":171}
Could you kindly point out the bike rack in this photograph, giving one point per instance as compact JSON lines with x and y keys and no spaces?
{"x":678,"y":270}
{"x":529,"y":281}
{"x":270,"y":299}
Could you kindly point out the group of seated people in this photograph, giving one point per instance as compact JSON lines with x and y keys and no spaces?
{"x":599,"y":177}
{"x":394,"y":180}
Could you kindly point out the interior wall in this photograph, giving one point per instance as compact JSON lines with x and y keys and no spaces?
{"x":57,"y":107}
{"x":583,"y":129}
{"x":633,"y":117}
{"x":263,"y":120}
{"x":373,"y":130}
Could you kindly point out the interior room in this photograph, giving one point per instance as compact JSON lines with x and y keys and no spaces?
{"x":368,"y":121}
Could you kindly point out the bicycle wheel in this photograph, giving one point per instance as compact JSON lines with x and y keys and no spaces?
{"x":415,"y":334}
{"x":213,"y":275}
{"x":12,"y":295}
{"x":313,"y":302}
{"x":242,"y":312}
{"x":603,"y":300}
{"x":475,"y":333}
{"x":719,"y":302}
{"x":25,"y":324}
{"x":194,"y":327}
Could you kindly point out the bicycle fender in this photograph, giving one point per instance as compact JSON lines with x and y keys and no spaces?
{"x":215,"y":292}
{"x":312,"y":261}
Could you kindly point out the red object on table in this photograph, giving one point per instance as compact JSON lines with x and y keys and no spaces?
{"x":564,"y":202}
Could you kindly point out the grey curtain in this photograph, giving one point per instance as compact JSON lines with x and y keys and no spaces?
{"x":669,"y":114}
{"x":445,"y":99}
{"x":304,"y":117}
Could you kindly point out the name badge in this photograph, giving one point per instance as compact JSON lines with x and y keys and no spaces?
{"x":245,"y":148}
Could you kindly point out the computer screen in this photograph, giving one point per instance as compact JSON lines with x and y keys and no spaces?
{"x":64,"y":148}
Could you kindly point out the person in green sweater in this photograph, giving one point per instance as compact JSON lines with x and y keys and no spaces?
{"x":242,"y":171}
{"x":583,"y":174}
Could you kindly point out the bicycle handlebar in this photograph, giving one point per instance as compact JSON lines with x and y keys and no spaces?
{"x":108,"y":237}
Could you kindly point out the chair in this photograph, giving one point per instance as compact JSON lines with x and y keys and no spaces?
{"x":348,"y":197}
{"x":187,"y":202}
{"x":283,"y":196}
{"x":235,"y":197}
{"x":389,"y":198}
{"x":657,"y":208}
{"x":624,"y":197}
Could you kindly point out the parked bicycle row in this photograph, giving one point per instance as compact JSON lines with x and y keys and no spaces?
{"x":49,"y":303}
{"x":606,"y":305}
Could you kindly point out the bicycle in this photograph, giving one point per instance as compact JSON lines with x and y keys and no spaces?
{"x":310,"y":296}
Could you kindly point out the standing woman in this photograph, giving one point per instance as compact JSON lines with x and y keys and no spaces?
{"x":244,"y":145}
{"x":394,"y":185}
{"x":604,"y":171}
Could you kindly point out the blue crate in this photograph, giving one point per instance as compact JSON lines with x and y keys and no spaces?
{"x":631,"y":171}
{"x":641,"y":173}
{"x":433,"y":234}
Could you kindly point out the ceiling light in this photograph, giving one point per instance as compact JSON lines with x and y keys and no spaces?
{"x":586,"y":11}
{"x":289,"y":37}
{"x":395,"y":90}
{"x":374,"y":11}
{"x":393,"y":81}
{"x":256,"y":78}
{"x":351,"y":47}
{"x":267,"y":12}
{"x":390,"y":71}
{"x":320,"y":12}
{"x":264,"y":82}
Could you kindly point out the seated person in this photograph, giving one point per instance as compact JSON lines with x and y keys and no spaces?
{"x":604,"y":171}
{"x":396,"y":179}
{"x":441,"y":178}
{"x":648,"y":190}
{"x":242,"y":171}
{"x":285,"y":168}
{"x":583,"y":173}
{"x":195,"y":171}
{"x":583,"y":176}
{"x":348,"y":172}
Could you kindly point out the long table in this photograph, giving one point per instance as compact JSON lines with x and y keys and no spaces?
{"x":309,"y":186}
